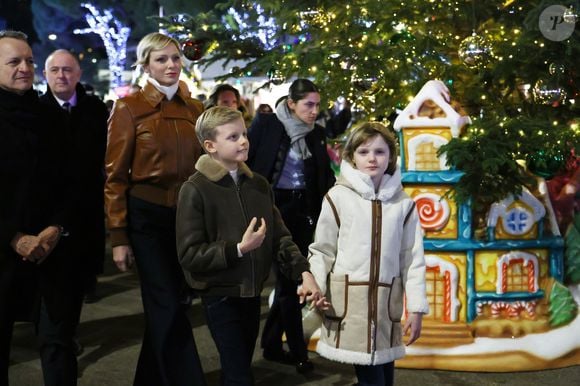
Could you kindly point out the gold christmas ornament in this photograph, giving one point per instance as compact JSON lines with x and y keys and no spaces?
{"x":475,"y":51}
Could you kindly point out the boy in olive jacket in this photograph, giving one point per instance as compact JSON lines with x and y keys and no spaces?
{"x":228,"y":231}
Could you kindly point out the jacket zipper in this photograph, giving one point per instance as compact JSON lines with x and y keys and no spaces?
{"x":374,"y":273}
{"x":247,"y":222}
{"x":177,"y":151}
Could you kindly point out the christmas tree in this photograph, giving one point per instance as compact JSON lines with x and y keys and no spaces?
{"x":512,"y":65}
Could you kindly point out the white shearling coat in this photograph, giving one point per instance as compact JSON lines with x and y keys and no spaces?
{"x":367,"y":254}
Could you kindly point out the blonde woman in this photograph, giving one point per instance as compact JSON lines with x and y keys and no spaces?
{"x":152,"y":149}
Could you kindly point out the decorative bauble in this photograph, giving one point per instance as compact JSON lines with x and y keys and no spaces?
{"x":545,"y":164}
{"x":548,"y":91}
{"x":475,"y":51}
{"x":193,"y":49}
{"x":570,"y":16}
{"x":363,"y":83}
{"x":556,"y":69}
{"x":276,"y":77}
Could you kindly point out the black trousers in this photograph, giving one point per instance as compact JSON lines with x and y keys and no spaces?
{"x":379,"y":375}
{"x":52,"y":312}
{"x":57,"y":353}
{"x":168,"y":355}
{"x":234,"y":324}
{"x":285,"y":315}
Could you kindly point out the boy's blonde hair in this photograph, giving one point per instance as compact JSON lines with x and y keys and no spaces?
{"x":154,"y":41}
{"x":212,"y":118}
{"x":363,"y":133}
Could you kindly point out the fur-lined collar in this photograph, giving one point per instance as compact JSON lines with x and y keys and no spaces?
{"x":363,"y":185}
{"x":214,"y":171}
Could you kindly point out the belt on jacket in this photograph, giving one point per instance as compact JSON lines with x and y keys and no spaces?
{"x":156,"y":195}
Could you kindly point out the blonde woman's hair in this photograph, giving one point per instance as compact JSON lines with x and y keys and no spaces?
{"x":153,"y":42}
{"x":212,"y":118}
{"x":363,"y":133}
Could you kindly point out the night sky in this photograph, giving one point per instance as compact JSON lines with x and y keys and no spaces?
{"x":16,"y":14}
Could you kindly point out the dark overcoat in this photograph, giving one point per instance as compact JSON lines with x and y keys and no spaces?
{"x":86,"y":127}
{"x":34,"y":194}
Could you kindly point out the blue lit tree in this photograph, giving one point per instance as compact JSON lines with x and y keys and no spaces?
{"x":114,"y":35}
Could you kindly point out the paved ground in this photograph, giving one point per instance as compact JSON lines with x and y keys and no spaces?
{"x":111,"y":331}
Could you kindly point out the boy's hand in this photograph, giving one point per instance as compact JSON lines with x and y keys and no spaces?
{"x":310,"y":291}
{"x":414,"y":323}
{"x":123,"y":257}
{"x":253,"y":239}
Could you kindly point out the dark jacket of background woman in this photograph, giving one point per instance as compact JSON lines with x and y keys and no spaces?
{"x":269,"y":146}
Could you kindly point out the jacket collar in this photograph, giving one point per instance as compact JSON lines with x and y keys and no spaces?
{"x":214,"y":171}
{"x":363,"y":185}
{"x":80,"y":91}
{"x":154,"y":96}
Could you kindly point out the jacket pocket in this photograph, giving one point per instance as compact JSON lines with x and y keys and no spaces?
{"x":346,"y":325}
{"x":396,"y":300}
{"x":338,"y":297}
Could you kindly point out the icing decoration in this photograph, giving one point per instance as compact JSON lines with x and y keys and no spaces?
{"x":420,"y":139}
{"x":451,"y":276}
{"x":436,"y":91}
{"x":527,"y":262}
{"x":513,"y":309}
{"x":517,"y":220}
{"x":433,"y":211}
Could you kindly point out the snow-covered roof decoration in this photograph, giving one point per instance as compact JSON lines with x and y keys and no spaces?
{"x":436,"y":91}
{"x":521,"y":221}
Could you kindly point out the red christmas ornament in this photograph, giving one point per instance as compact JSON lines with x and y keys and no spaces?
{"x":193,"y":49}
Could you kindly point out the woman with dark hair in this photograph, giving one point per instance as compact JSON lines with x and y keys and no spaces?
{"x":289,"y":149}
{"x":264,"y":108}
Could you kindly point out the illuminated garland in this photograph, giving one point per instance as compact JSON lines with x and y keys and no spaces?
{"x":114,"y":35}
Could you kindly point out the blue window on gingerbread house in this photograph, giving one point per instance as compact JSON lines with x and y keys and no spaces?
{"x":518,"y":221}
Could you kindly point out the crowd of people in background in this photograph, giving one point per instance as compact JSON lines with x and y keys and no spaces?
{"x":204,"y":198}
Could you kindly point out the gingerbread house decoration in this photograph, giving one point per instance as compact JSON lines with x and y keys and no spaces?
{"x":429,"y":121}
{"x":502,"y":279}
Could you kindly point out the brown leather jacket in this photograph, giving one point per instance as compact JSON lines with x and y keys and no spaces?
{"x":152,"y":149}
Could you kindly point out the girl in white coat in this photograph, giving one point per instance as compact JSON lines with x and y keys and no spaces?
{"x":366,"y":256}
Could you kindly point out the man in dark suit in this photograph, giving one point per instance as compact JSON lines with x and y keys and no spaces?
{"x":85,"y":119}
{"x":34,"y":266}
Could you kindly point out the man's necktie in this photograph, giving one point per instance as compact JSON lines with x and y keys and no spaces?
{"x":66,"y":106}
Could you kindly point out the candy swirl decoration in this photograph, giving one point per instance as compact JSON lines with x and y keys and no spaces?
{"x":433,"y":211}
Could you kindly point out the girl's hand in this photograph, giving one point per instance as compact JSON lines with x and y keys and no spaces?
{"x":309,"y":291}
{"x":413,"y":323}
